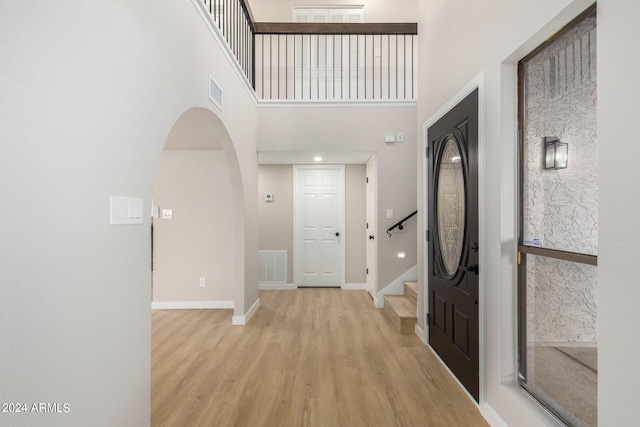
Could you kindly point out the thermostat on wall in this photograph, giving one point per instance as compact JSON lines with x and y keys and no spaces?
{"x":268,"y":198}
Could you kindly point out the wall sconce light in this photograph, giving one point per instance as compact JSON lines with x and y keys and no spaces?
{"x":556,"y":153}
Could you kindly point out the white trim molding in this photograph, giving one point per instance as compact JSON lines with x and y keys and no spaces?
{"x":396,"y":287}
{"x":492,"y":416}
{"x":422,"y":335}
{"x":243,"y":320}
{"x":191,"y":305}
{"x":336,"y":104}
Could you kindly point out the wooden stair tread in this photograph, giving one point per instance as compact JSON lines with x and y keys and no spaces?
{"x":411,"y":291}
{"x":402,"y":305}
{"x":413,"y":285}
{"x":402,"y":313}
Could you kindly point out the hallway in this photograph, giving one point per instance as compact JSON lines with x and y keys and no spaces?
{"x":310,"y":357}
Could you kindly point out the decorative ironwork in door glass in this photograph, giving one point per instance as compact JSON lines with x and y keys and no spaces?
{"x":450,"y":205}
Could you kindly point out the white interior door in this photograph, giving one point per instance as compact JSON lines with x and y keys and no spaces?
{"x":318,"y":233}
{"x":372,"y":226}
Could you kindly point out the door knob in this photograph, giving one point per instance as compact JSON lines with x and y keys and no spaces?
{"x":371,"y":237}
{"x":337,"y":234}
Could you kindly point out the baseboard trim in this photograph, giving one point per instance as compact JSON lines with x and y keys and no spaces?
{"x":243,"y":320}
{"x":190,"y":305}
{"x":422,"y":335}
{"x":492,"y":416}
{"x":375,"y":303}
{"x":277,"y":286}
{"x":354,"y":287}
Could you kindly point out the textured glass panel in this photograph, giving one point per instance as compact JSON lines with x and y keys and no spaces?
{"x":561,"y":361}
{"x":560,"y":207}
{"x":561,"y":301}
{"x":450,"y":213}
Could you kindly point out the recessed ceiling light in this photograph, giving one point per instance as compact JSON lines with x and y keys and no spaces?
{"x":317,"y":158}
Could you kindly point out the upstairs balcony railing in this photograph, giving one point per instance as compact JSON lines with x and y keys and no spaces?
{"x":335,"y":61}
{"x":320,"y":61}
{"x":235,"y":22}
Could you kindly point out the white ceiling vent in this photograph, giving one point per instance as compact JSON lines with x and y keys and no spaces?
{"x":215,"y":92}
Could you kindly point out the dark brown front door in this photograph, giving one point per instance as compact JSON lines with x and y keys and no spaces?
{"x":453,"y":241}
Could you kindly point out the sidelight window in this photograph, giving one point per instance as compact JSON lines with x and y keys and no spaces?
{"x":558,"y":223}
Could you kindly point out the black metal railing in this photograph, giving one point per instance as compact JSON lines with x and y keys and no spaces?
{"x":320,"y":61}
{"x":336,"y":61}
{"x":400,"y":224}
{"x":235,"y":22}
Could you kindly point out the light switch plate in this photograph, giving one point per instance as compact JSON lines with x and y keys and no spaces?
{"x":167,"y":213}
{"x":389,"y":213}
{"x":125,"y":210}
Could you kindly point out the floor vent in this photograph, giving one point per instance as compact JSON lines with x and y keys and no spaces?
{"x":273,"y":266}
{"x":215,"y":92}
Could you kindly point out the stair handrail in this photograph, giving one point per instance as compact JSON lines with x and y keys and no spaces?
{"x":400,"y":224}
{"x":361,"y":28}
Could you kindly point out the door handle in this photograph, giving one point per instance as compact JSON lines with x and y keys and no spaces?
{"x":371,"y":237}
{"x":337,"y":234}
{"x":475,"y":268}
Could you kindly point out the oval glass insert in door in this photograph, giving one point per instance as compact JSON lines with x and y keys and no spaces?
{"x":450,"y":206}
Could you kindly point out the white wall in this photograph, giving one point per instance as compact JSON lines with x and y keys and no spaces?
{"x":198,"y":240}
{"x":89,"y":94}
{"x":344,"y":129}
{"x":491,"y":40}
{"x":276,"y":218}
{"x":619,"y":293}
{"x":374,"y":10}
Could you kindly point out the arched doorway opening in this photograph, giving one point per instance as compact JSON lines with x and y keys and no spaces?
{"x":198,"y":217}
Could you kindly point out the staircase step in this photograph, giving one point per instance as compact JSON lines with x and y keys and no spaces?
{"x":402,"y":312}
{"x":411,"y":291}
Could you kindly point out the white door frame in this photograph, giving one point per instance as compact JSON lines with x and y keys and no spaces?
{"x":298,"y":259}
{"x":372,"y":226}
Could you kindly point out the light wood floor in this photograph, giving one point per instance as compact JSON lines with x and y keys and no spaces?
{"x":309,"y":357}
